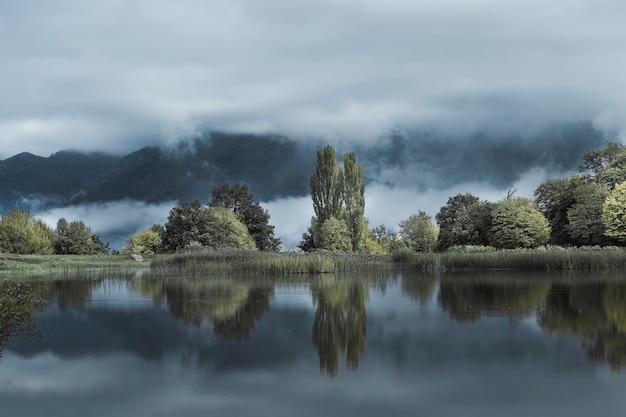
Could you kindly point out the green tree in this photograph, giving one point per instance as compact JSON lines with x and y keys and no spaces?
{"x":307,"y":243}
{"x":335,"y":236}
{"x":614,"y":213}
{"x":145,"y":242}
{"x":372,"y":241}
{"x":585,"y":226}
{"x":605,"y":166}
{"x":419,"y":232}
{"x":21,"y":233}
{"x":214,"y":227}
{"x":464,"y":220}
{"x":354,"y":199}
{"x":101,"y":247}
{"x":554,"y":199}
{"x":249,"y":212}
{"x":183,"y":226}
{"x":337,"y":191}
{"x":75,"y":238}
{"x":517,"y":223}
{"x":224,"y":230}
{"x":327,"y":186}
{"x":388,"y":240}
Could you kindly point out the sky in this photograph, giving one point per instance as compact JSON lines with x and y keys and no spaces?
{"x":117,"y":75}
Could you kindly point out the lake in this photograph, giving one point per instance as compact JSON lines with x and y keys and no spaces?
{"x":491,"y":344}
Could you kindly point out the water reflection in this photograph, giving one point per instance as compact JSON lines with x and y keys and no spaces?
{"x":595,"y":311}
{"x":18,"y":304}
{"x":71,"y":293}
{"x":339,"y":326}
{"x":234,"y":307}
{"x":468,"y":298}
{"x":419,"y":287}
{"x":592,"y":309}
{"x":490,"y":345}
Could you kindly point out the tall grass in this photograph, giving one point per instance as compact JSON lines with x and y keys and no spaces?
{"x":68,"y":266}
{"x":206,"y":262}
{"x":542,"y":259}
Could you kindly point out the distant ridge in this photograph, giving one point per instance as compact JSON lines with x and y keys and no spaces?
{"x":274,"y":166}
{"x":271,"y":166}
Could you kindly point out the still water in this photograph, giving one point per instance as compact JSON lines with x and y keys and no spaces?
{"x":397,"y":345}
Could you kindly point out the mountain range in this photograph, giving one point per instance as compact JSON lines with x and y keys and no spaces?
{"x":406,"y":171}
{"x":271,"y":166}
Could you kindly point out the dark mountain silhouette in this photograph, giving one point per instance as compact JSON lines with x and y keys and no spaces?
{"x":55,"y":180}
{"x":274,"y":166}
{"x":271,"y":166}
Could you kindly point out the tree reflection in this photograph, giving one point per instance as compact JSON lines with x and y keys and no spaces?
{"x":71,"y":293}
{"x":340,"y":322}
{"x":469,"y":299}
{"x":242,"y":322}
{"x":233,"y":307}
{"x":18,"y":304}
{"x":420,"y":287}
{"x":593,"y":311}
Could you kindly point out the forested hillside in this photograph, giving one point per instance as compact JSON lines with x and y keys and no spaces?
{"x":271,"y":166}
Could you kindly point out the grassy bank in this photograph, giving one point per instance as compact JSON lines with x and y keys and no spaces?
{"x":255,"y":263}
{"x":66,"y":265}
{"x":542,"y":259}
{"x":239,"y":262}
{"x":205,"y":262}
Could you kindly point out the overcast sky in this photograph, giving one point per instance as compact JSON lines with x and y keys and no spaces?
{"x":117,"y":75}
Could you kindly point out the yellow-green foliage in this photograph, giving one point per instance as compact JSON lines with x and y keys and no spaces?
{"x":614,"y":213}
{"x":18,"y":303}
{"x":335,"y":236}
{"x":370,"y":245}
{"x":145,"y":242}
{"x":419,"y":232}
{"x":21,"y":233}
{"x":227,"y":231}
{"x":615,"y":305}
{"x":517,"y":223}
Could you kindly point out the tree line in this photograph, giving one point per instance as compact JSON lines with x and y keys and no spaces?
{"x":588,"y":208}
{"x":232,"y":219}
{"x":21,"y":233}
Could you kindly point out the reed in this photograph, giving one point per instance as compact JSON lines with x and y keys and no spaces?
{"x":541,"y":259}
{"x":68,"y":266}
{"x":208,"y":262}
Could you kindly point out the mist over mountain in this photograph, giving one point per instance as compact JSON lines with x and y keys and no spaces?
{"x":404,"y":172}
{"x":271,"y":166}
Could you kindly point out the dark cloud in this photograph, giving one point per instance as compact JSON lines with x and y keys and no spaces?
{"x":114,"y":76}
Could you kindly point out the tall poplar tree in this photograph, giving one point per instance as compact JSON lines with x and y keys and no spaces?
{"x":338,"y":194}
{"x":327,"y":185}
{"x":354,"y":199}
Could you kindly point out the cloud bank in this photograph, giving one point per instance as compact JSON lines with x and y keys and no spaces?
{"x":117,"y":75}
{"x":114,"y":221}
